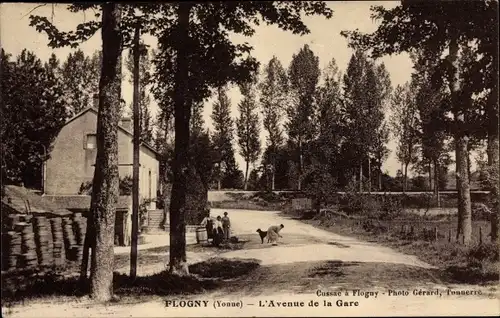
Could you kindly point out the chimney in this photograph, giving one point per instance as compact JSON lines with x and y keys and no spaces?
{"x":95,"y":100}
{"x":126,"y":123}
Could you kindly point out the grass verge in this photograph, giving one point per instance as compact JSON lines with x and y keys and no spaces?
{"x":477,"y":264}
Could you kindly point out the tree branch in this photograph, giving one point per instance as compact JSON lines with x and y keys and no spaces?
{"x":38,"y":6}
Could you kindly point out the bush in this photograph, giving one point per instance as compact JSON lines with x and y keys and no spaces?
{"x":484,"y":252}
{"x":480,"y":212}
{"x":224,"y":268}
{"x":356,"y":203}
{"x":125,"y":187}
{"x":392,"y":207}
{"x":268,"y":196}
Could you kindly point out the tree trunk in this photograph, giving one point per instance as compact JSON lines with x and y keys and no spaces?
{"x":360,"y":177}
{"x":273,"y":174}
{"x":369,"y":176}
{"x":379,"y":178}
{"x":105,"y":185}
{"x":436,"y":183}
{"x":405,"y":184}
{"x":178,"y":260}
{"x":429,"y":169}
{"x":469,"y":164}
{"x":273,"y":180}
{"x":246,"y":176}
{"x":164,"y":190}
{"x":299,"y":182}
{"x":493,"y":161}
{"x":461,"y":146}
{"x":135,"y":168}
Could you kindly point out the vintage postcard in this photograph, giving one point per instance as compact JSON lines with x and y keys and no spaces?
{"x":250,"y":159}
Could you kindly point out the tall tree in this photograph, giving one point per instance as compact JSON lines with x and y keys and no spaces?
{"x":248,"y":128}
{"x":197,"y":121}
{"x":404,"y":121}
{"x":365,"y":90}
{"x":33,"y":112}
{"x":273,"y":90}
{"x":223,"y":134}
{"x":144,"y":99}
{"x":100,"y":232}
{"x":199,"y":54}
{"x":441,"y":29}
{"x":321,"y":176}
{"x":431,"y":102}
{"x":105,"y":184}
{"x":304,"y":76}
{"x":81,"y":80}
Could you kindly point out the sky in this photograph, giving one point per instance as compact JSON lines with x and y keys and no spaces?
{"x":324,"y":40}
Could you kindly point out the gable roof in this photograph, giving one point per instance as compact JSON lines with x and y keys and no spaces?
{"x":126,"y":131}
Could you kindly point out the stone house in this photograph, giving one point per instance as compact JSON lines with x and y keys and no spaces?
{"x":73,"y":155}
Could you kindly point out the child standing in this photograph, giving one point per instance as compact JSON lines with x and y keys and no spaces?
{"x":226,"y":226}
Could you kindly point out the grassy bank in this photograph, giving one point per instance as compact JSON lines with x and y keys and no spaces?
{"x":425,"y":237}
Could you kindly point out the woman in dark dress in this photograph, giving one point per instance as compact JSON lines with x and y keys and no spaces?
{"x":218,"y":233}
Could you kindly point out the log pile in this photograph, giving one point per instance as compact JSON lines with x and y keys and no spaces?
{"x":28,"y":255}
{"x":68,"y":236}
{"x":12,"y":241}
{"x":58,"y":242}
{"x":43,"y":249}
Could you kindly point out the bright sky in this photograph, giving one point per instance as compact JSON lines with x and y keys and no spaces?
{"x":325,"y":41}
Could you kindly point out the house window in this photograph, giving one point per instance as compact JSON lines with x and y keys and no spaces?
{"x":91,"y":141}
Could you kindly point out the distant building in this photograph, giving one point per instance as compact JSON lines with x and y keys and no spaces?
{"x":73,"y":156}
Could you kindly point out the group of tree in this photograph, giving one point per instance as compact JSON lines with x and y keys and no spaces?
{"x":195,"y":56}
{"x":324,"y":125}
{"x":454,"y":44}
{"x":33,"y":111}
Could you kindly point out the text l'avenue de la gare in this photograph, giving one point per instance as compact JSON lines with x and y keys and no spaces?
{"x":324,"y":298}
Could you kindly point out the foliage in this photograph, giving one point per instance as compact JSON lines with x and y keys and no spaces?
{"x":33,"y":112}
{"x":125,"y":186}
{"x":320,"y":186}
{"x":80,"y":80}
{"x":366,"y":87}
{"x":488,"y":251}
{"x":222,"y":137}
{"x":435,"y":32}
{"x":273,"y":91}
{"x":404,"y":119}
{"x":248,"y":127}
{"x":215,"y":58}
{"x":301,"y":127}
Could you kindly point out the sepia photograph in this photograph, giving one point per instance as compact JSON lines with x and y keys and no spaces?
{"x":250,"y":159}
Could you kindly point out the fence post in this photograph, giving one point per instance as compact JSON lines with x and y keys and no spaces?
{"x":463,"y":239}
{"x":449,"y":235}
{"x":435,"y":233}
{"x":480,"y":235}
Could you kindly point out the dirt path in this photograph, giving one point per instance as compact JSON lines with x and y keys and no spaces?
{"x":307,"y":263}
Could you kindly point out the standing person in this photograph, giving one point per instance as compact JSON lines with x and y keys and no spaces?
{"x":226,"y":226}
{"x":217,"y":231}
{"x":207,"y":222}
{"x":273,"y":233}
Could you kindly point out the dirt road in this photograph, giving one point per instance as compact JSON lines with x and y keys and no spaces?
{"x":309,"y":266}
